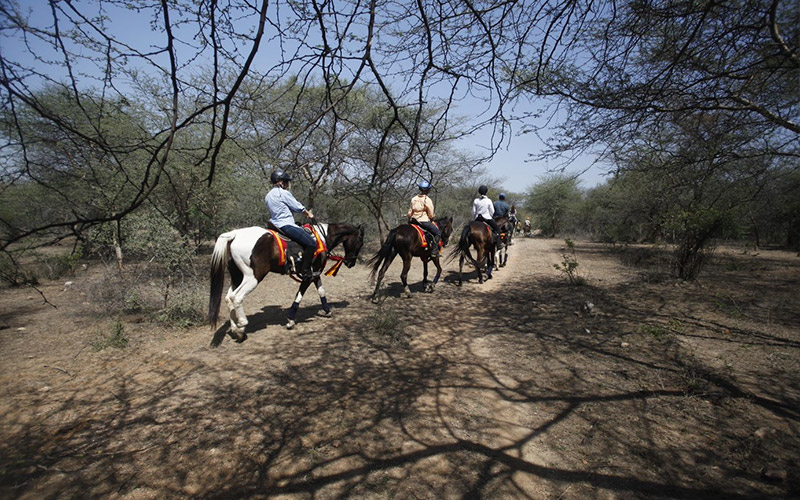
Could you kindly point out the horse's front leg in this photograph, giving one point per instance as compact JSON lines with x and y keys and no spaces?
{"x":326,"y":309}
{"x":437,"y":276}
{"x":489,"y":264}
{"x":296,"y":304}
{"x":425,"y":275}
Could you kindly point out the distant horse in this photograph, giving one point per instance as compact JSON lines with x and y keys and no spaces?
{"x":406,"y":241}
{"x":526,"y":227}
{"x":477,"y":235}
{"x":250,"y":253}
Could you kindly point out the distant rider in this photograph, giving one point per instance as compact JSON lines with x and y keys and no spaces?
{"x":421,"y":213}
{"x":282,"y":205}
{"x":512,"y":219}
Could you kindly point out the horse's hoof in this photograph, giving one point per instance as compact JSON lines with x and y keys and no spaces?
{"x":325,"y":314}
{"x":290,"y":324}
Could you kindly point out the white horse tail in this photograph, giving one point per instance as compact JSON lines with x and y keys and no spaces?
{"x":219,"y":258}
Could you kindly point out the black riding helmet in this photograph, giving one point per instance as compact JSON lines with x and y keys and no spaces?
{"x":279,"y":175}
{"x":483,"y":190}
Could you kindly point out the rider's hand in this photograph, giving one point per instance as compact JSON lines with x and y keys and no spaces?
{"x":308,"y":214}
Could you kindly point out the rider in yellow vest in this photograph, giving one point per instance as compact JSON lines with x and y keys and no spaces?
{"x":421,"y":212}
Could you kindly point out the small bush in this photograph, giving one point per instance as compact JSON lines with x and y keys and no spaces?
{"x":569,"y":265}
{"x":116,"y":338}
{"x":385,"y":325}
{"x":13,"y":275}
{"x":57,"y":266}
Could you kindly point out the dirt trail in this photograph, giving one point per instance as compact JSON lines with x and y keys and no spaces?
{"x":510,"y":389}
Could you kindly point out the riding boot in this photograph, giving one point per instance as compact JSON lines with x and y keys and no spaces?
{"x":435,"y":247}
{"x":305,"y":265}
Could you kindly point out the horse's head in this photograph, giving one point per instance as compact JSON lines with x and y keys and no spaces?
{"x":352,"y":243}
{"x":446,"y":227}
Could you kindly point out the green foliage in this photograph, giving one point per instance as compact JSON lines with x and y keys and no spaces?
{"x":386,"y":326}
{"x":13,"y":275}
{"x":184,"y":306}
{"x":57,"y":266}
{"x":555,"y":203}
{"x":569,"y":265}
{"x":116,"y":338}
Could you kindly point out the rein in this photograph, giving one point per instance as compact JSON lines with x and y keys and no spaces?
{"x":338,"y":260}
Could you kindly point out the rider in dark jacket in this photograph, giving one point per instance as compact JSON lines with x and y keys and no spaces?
{"x":501,"y":208}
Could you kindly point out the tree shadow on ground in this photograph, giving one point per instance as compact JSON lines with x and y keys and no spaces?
{"x":538,"y":397}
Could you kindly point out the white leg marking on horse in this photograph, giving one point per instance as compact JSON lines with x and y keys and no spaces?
{"x":248,"y":284}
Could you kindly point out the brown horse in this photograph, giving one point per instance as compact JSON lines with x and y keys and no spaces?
{"x":405,"y":240}
{"x":479,"y":235}
{"x":506,"y":231}
{"x":250,"y":253}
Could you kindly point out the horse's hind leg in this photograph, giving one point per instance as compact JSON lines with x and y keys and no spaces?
{"x":381,"y":273}
{"x":235,"y":302}
{"x":404,"y":276}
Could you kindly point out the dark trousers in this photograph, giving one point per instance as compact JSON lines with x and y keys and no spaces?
{"x":491,"y":222}
{"x":430,"y":227}
{"x":302,"y":238}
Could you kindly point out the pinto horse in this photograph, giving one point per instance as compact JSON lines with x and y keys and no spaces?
{"x":479,"y":235}
{"x":250,"y":253}
{"x":406,"y":241}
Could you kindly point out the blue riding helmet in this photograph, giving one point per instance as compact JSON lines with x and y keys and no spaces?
{"x":502,"y":196}
{"x":424,"y":185}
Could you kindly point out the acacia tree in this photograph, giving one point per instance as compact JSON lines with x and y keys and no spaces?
{"x":641,"y":63}
{"x":415,"y":56}
{"x":553,"y":201}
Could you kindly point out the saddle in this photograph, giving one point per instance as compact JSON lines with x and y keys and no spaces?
{"x":291,"y":256}
{"x":424,"y":235}
{"x":284,"y":237}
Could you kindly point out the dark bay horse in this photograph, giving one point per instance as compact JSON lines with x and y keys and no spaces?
{"x":405,"y":241}
{"x":506,"y":231}
{"x":250,"y":253}
{"x":477,"y":235}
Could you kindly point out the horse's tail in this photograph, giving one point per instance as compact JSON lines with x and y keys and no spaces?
{"x":219,"y":258}
{"x":384,"y":253}
{"x":463,"y":244}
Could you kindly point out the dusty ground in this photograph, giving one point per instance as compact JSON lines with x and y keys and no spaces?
{"x":511,"y":389}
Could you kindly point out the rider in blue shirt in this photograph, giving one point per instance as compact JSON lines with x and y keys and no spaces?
{"x":282,"y":206}
{"x":501,"y":208}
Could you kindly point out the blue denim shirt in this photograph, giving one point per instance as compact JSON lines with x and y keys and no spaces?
{"x":282,"y":206}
